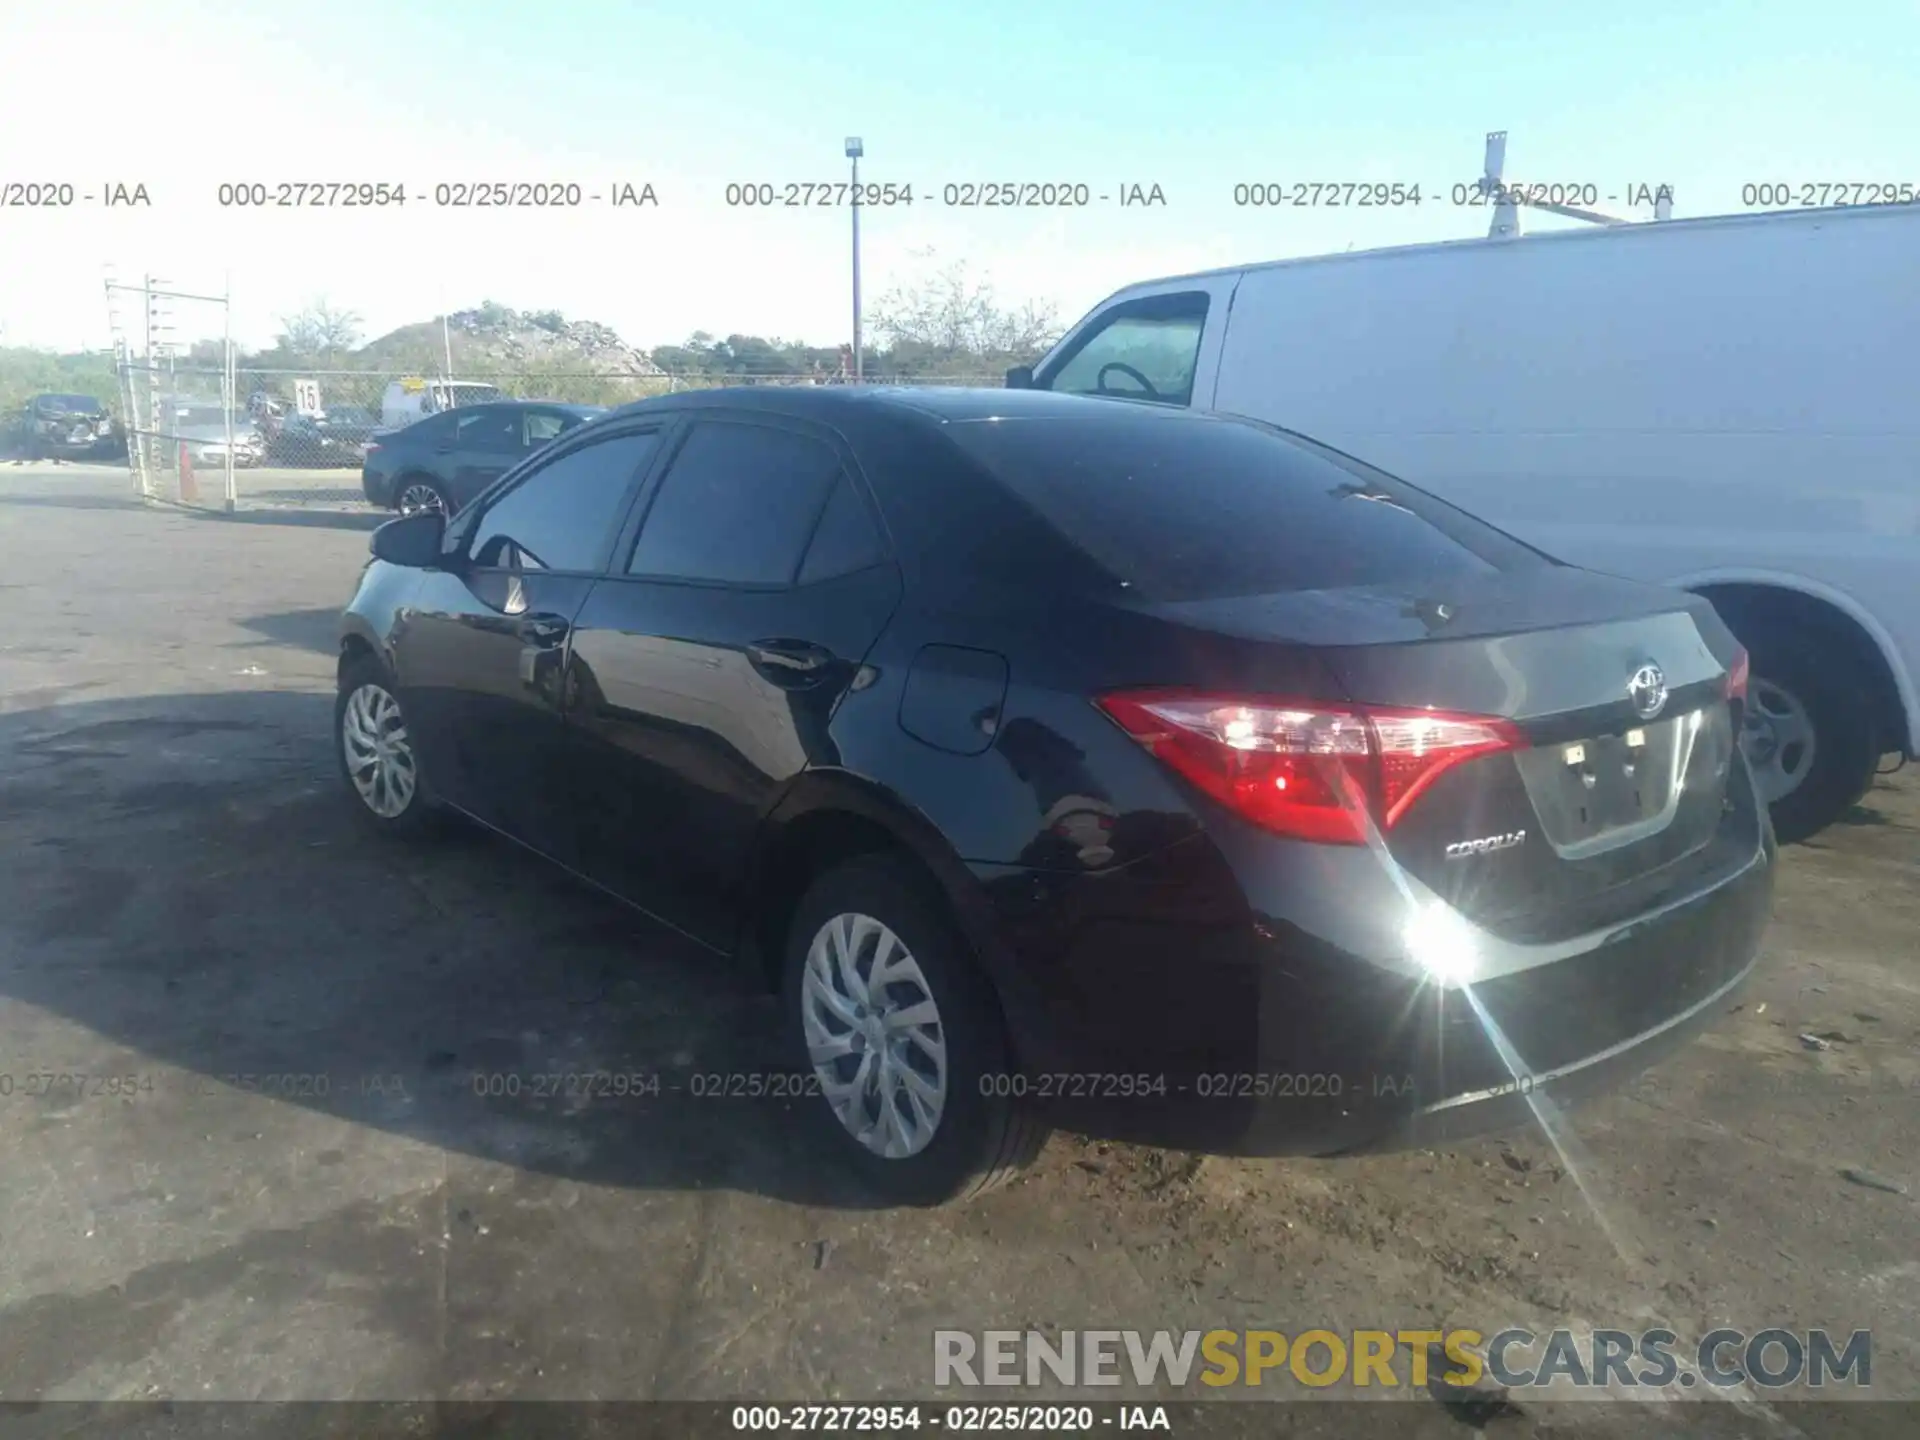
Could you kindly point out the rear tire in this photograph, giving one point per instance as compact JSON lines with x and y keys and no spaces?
{"x":1810,"y":734}
{"x":886,"y":914}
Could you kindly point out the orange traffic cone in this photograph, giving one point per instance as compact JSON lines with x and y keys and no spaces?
{"x":189,"y":487}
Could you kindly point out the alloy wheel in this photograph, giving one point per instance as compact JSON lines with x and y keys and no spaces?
{"x":874,"y":1035}
{"x":1778,"y":737}
{"x":420,"y":498}
{"x":378,"y":751}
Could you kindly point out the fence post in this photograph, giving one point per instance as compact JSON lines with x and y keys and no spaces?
{"x":229,"y":386}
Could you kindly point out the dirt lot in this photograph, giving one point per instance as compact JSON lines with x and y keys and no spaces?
{"x":185,"y":900}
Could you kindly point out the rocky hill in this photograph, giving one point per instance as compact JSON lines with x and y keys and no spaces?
{"x":497,"y":339}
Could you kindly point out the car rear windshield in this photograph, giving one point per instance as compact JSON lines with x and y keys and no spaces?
{"x":1194,"y":509}
{"x":70,"y":405}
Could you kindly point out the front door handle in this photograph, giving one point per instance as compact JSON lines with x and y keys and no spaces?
{"x":789,"y":663}
{"x":544,"y":630}
{"x":542,"y":638}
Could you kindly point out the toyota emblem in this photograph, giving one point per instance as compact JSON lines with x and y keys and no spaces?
{"x":1648,"y":691}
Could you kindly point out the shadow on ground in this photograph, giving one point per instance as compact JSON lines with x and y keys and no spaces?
{"x":192,"y":886}
{"x":206,"y":510}
{"x":79,"y":500}
{"x":317,"y":630}
{"x":314,"y":518}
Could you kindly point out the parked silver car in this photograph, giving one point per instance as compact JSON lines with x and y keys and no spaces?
{"x":203,"y":430}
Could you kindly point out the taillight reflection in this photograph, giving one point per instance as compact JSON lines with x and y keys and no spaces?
{"x":1737,"y":673}
{"x":1306,"y":770}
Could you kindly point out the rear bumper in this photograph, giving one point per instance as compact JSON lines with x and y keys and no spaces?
{"x":244,"y":456}
{"x":1158,"y":1016}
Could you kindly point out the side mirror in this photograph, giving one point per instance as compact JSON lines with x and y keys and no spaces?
{"x":1020,"y":377}
{"x":412,"y":540}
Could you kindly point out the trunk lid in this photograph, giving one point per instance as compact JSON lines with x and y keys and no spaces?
{"x":1617,"y":689}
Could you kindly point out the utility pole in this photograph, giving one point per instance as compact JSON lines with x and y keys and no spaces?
{"x":855,"y":149}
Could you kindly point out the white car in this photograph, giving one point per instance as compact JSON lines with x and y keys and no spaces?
{"x":203,"y":431}
{"x":1724,"y":404}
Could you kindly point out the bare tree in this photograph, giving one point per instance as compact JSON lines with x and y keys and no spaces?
{"x":948,"y":312}
{"x":319,"y":332}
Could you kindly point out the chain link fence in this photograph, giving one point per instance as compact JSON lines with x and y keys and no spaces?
{"x":184,"y":434}
{"x":301,"y":436}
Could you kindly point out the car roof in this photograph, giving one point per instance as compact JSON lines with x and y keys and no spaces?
{"x":832,"y":404}
{"x":566,"y":405}
{"x":955,"y":525}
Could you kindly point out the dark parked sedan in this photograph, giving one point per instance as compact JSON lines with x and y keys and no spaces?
{"x":338,"y":437}
{"x":442,"y":462}
{"x":1065,"y":761}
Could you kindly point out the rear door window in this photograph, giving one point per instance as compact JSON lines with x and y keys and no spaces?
{"x":737,"y":506}
{"x":1192,"y":508}
{"x":1144,"y":349}
{"x":435,"y":430}
{"x":540,"y":426}
{"x":489,"y":429}
{"x":846,"y":540}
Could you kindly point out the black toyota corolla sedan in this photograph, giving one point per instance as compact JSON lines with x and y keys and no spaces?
{"x":1071,"y":762}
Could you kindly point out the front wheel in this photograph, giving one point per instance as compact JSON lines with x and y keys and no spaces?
{"x":375,"y":751}
{"x":903,"y":1038}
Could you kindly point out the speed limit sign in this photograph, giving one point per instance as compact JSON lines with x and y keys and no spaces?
{"x":306,"y":396}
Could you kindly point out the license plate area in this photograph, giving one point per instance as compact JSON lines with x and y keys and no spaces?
{"x":1595,"y":794}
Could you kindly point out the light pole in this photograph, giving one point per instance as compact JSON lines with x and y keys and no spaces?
{"x":854,"y":151}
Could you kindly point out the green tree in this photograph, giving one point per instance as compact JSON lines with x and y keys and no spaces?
{"x":26,"y":372}
{"x":946,"y":321}
{"x":319,"y":334}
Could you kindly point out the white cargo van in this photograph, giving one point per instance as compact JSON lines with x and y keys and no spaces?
{"x":410,"y":399}
{"x":1731,"y":405}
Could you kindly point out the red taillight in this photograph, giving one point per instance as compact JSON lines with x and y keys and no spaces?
{"x":1737,"y":672}
{"x":1305,"y":769}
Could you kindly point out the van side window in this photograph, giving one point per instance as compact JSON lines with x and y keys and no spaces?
{"x":1143,"y":349}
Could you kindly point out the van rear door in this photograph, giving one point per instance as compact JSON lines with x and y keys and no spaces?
{"x":1159,"y":342}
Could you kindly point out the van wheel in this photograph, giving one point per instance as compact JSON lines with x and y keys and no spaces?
{"x":902,"y":1039}
{"x":1808,"y":731}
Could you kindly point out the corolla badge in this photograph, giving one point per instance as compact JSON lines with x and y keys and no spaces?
{"x":1485,"y":845}
{"x":1647,"y":691}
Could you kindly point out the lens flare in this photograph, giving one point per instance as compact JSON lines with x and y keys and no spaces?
{"x":1441,"y":943}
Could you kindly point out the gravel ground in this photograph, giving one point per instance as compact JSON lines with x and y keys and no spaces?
{"x":185,"y":900}
{"x":264,"y":487}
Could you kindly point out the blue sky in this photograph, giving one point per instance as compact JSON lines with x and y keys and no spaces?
{"x":1192,"y":97}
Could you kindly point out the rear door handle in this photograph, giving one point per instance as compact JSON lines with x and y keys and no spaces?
{"x":790,"y":663}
